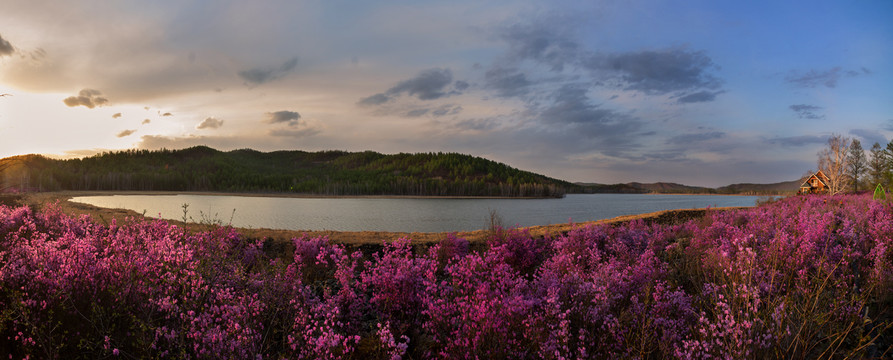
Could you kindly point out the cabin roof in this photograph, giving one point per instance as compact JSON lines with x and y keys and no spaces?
{"x":820,"y":176}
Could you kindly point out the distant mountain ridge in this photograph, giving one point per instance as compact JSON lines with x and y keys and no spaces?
{"x":780,"y":188}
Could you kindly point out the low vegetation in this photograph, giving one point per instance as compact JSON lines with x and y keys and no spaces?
{"x":801,"y":277}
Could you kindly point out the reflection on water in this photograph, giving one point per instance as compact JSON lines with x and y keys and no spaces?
{"x":404,"y":215}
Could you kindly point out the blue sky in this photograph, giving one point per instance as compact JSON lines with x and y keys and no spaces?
{"x":696,"y":92}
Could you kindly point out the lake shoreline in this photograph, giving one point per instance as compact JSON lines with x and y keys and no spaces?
{"x":107,"y":215}
{"x":74,"y":193}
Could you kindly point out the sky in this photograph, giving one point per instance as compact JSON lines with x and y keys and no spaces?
{"x":705,"y":93}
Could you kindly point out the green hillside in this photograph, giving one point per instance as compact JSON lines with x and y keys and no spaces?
{"x":326,"y":173}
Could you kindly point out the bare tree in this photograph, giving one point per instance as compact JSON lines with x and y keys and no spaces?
{"x":833,"y":163}
{"x":877,"y":165}
{"x":856,"y":163}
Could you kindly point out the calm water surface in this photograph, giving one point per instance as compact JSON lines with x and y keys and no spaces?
{"x":403,"y":215}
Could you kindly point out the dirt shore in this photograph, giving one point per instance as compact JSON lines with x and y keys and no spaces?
{"x":360,"y":238}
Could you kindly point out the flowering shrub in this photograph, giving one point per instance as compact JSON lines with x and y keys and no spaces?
{"x":803,"y":277}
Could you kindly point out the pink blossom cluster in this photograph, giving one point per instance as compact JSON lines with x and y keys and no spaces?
{"x":804,"y":277}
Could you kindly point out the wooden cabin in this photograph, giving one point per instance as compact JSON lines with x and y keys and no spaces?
{"x":815,"y":184}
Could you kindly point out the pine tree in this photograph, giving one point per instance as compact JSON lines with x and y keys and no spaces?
{"x":856,"y":163}
{"x":888,"y":161}
{"x":877,"y":165}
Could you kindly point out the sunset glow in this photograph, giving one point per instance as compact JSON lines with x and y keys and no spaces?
{"x":699,"y":93}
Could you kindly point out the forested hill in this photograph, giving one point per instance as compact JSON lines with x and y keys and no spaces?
{"x":327,"y":173}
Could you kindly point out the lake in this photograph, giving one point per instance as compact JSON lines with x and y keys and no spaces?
{"x":402,"y":214}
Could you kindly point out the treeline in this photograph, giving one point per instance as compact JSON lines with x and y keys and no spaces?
{"x":325,"y":173}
